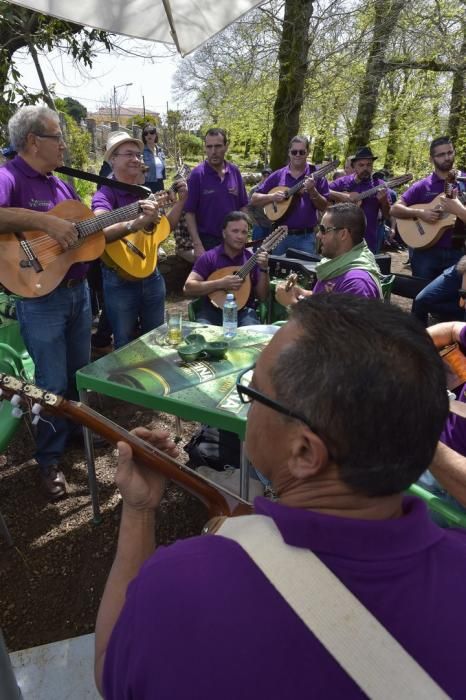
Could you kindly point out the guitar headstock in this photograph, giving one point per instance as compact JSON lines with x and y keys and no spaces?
{"x":19,"y":392}
{"x":274,"y":238}
{"x":400,"y":180}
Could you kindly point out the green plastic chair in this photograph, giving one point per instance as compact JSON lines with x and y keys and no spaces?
{"x":386,"y":283}
{"x":453,"y":517}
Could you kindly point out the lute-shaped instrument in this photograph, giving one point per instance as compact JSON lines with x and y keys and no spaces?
{"x":242,"y":294}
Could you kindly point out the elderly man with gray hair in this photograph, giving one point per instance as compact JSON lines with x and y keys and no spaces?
{"x":56,"y":328}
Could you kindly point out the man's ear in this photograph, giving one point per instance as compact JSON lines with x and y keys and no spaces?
{"x":308,"y":454}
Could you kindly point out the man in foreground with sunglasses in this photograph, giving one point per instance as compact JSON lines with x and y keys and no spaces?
{"x":348,"y":403}
{"x":302,"y":215}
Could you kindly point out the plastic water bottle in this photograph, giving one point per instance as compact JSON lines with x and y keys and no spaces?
{"x":230,"y":317}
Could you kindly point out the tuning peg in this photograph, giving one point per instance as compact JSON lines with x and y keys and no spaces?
{"x":36,"y":409}
{"x":16,"y":412}
{"x":15,"y":400}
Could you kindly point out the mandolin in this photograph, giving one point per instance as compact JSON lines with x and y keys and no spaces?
{"x":214,"y":496}
{"x":34,"y":264}
{"x":423,"y":234}
{"x":276,"y":210}
{"x":242,"y":294}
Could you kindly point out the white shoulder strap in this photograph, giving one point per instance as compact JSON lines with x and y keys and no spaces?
{"x":350,"y":633}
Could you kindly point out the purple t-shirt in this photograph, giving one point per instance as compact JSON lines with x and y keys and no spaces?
{"x":211,"y":198}
{"x":357,"y":282}
{"x":216,"y":258}
{"x":22,"y":186}
{"x":370,"y":206}
{"x":201,"y":621}
{"x":424,"y":191}
{"x":454,"y":432}
{"x":302,"y":212}
{"x":109,"y":199}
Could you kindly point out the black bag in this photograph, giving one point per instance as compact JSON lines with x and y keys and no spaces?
{"x":213,"y":448}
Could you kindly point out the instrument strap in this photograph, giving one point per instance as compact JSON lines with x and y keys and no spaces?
{"x":351,"y":634}
{"x":139,"y":190}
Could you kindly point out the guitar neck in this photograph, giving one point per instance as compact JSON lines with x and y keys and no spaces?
{"x":269,"y":244}
{"x":394,"y":182}
{"x":320,"y":172}
{"x":97,"y":223}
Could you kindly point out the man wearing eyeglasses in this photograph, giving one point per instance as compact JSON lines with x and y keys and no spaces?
{"x":130,"y":300}
{"x":216,"y":188}
{"x":302,"y":215}
{"x":321,"y":430}
{"x":347,"y":265}
{"x":56,"y":328}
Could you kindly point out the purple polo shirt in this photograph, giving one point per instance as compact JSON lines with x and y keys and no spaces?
{"x":454,"y":432}
{"x":370,"y":206}
{"x":109,"y":199}
{"x":357,"y":282}
{"x":202,"y":622}
{"x":424,"y":191}
{"x":302,"y":212}
{"x":216,"y":258}
{"x":22,"y":186}
{"x":211,"y":198}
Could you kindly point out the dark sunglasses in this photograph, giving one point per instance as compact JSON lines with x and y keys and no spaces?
{"x":325,"y":229}
{"x":299,"y":152}
{"x":151,"y":131}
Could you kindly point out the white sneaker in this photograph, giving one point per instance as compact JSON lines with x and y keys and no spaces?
{"x":230,"y":480}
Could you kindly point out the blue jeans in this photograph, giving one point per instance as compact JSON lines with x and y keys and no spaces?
{"x":440,"y":298}
{"x":259,"y":232}
{"x":302,"y":241}
{"x":128,"y":301}
{"x":432,"y":262}
{"x":214,"y":317}
{"x":56,"y":330}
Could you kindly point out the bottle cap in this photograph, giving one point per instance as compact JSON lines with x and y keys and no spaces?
{"x":230,"y":296}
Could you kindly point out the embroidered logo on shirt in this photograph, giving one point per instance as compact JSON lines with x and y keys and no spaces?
{"x":208,"y":191}
{"x":40,"y":204}
{"x":233,"y":191}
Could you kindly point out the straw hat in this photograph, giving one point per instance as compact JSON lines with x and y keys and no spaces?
{"x":115,"y":139}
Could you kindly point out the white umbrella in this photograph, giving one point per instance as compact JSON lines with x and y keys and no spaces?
{"x":185,"y":23}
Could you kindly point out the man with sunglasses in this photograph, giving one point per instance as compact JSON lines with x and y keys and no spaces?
{"x":302,"y":215}
{"x":321,"y":430}
{"x":56,"y":328}
{"x":347,"y":265}
{"x":216,"y":188}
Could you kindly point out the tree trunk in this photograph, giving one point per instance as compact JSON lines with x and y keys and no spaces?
{"x":386,"y":15}
{"x":457,"y":117}
{"x":292,"y":56}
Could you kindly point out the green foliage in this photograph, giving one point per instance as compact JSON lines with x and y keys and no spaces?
{"x":78,"y":143}
{"x":141,"y":121}
{"x":72,"y":107}
{"x":191,"y":146}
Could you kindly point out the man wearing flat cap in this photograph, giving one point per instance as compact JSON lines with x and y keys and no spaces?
{"x":350,"y":187}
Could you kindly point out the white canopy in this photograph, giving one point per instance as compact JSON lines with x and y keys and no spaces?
{"x":185,"y":23}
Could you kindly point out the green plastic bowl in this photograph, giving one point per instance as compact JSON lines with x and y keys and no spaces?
{"x":216,"y":349}
{"x":195,"y":339}
{"x":190,"y":351}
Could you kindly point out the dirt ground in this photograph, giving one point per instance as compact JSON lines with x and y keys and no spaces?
{"x":52,"y":579}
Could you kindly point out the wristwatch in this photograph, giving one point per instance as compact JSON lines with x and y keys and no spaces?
{"x":129,"y":226}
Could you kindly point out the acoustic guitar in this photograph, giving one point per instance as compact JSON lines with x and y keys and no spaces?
{"x":33,"y":264}
{"x":37,"y":400}
{"x":242,"y":294}
{"x":276,"y":210}
{"x":420,"y":234}
{"x":135,"y":255}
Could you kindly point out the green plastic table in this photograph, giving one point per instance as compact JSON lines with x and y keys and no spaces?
{"x":150,"y":373}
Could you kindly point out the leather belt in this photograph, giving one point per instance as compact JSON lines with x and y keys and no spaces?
{"x":299,"y":231}
{"x":71,"y":282}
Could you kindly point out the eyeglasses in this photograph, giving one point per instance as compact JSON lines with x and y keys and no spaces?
{"x":300,"y":152}
{"x":129,"y":155}
{"x":325,"y":229}
{"x":150,"y":131}
{"x":56,"y":137}
{"x":247,"y":394}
